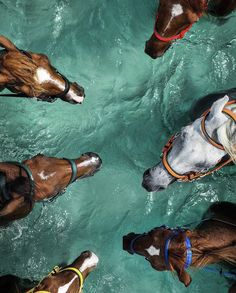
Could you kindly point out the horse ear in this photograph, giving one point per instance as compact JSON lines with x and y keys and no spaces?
{"x":218,"y":106}
{"x":183,"y":276}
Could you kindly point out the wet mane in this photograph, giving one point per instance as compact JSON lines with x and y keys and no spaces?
{"x":23,"y":69}
{"x":197,"y":5}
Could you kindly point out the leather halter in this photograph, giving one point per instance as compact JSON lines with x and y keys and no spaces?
{"x":57,"y":270}
{"x":178,"y":36}
{"x":50,"y":98}
{"x":195,"y":175}
{"x":73,"y":169}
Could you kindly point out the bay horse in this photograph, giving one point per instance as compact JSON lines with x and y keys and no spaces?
{"x":29,"y":75}
{"x":212,"y":241}
{"x":176,"y":17}
{"x":69,"y":279}
{"x":200,"y":148}
{"x":37,"y":179}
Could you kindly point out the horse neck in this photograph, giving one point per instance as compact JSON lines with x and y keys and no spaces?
{"x":208,"y":245}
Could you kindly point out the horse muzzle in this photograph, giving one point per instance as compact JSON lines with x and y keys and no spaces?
{"x":155,"y":48}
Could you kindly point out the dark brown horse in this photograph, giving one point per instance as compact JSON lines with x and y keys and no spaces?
{"x":31,"y":75}
{"x":69,"y":279}
{"x":39,"y":178}
{"x":176,"y":17}
{"x":212,"y":241}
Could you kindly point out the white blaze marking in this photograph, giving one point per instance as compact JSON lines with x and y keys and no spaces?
{"x":45,"y":177}
{"x":89,"y":262}
{"x":153,"y":250}
{"x":43,"y":76}
{"x":88,"y":162}
{"x":177,"y":10}
{"x":65,"y":288}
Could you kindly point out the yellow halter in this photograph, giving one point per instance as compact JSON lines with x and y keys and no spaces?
{"x":58,"y":270}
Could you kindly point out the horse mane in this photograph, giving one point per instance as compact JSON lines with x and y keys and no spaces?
{"x":227,"y":137}
{"x":20,"y":186}
{"x":197,"y":5}
{"x":202,"y":258}
{"x":226,"y":254}
{"x":23,"y":69}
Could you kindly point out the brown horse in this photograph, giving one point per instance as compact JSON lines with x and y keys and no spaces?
{"x":31,"y":75}
{"x":39,"y":178}
{"x":212,"y":241}
{"x":176,"y":17}
{"x":66,"y":280}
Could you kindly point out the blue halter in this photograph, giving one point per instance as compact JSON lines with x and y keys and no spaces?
{"x":188,"y":245}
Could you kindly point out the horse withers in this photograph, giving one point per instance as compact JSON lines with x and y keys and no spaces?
{"x":175,"y":18}
{"x":29,"y":74}
{"x":69,"y":279}
{"x":199,"y":149}
{"x":212,"y":241}
{"x":37,"y":179}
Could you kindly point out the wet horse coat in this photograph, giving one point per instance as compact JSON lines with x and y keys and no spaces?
{"x":39,"y":178}
{"x":212,"y":241}
{"x":61,"y":280}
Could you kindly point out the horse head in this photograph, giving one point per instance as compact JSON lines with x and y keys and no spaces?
{"x":71,"y":278}
{"x":32,"y":75}
{"x":191,"y":152}
{"x":174,"y":18}
{"x":164,"y":248}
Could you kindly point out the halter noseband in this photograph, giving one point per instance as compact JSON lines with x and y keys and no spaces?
{"x":178,"y":36}
{"x":195,"y":175}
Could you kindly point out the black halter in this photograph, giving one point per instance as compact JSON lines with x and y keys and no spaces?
{"x":49,"y":99}
{"x":4,"y":192}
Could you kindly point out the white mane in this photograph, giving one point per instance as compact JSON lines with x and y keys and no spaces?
{"x":227,"y":136}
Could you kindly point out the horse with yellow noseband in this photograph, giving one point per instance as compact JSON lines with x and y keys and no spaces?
{"x":57,"y":270}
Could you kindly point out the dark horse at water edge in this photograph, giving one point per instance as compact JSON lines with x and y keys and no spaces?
{"x":69,"y":279}
{"x":175,"y":17}
{"x":37,"y":179}
{"x":212,"y":241}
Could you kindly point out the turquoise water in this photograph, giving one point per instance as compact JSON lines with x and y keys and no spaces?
{"x":133,"y":104}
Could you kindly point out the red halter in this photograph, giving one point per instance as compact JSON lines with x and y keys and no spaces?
{"x":178,"y":36}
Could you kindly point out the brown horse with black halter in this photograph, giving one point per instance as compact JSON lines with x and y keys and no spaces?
{"x":69,"y":279}
{"x":176,"y":17}
{"x":37,"y":179}
{"x":212,"y":241}
{"x":29,"y":75}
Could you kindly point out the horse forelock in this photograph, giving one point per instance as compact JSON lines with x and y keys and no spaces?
{"x":23,"y":69}
{"x":198,"y":6}
{"x":227,"y":137}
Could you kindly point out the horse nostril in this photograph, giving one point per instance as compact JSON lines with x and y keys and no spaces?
{"x":146,"y":173}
